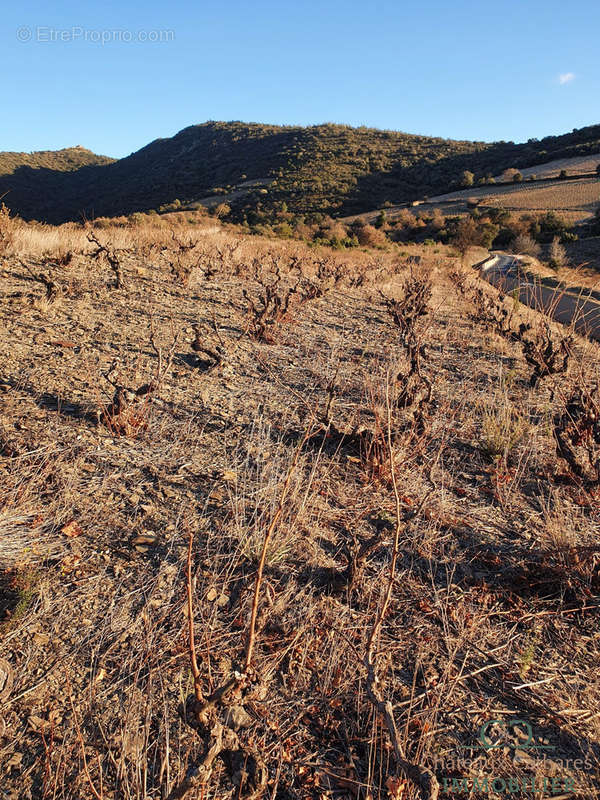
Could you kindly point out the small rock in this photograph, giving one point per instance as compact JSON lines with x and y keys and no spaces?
{"x":237,"y":717}
{"x":144,"y":541}
{"x":6,"y":679}
{"x":15,"y":760}
{"x":37,"y":724}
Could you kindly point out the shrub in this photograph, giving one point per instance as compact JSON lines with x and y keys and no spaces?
{"x":526,"y":245}
{"x":368,"y":236}
{"x":487,"y":233}
{"x":285,"y":230}
{"x":509,"y":174}
{"x":550,"y":225}
{"x":557,"y":255}
{"x":468,"y":232}
{"x":222,"y":210}
{"x":568,"y":237}
{"x":137,"y":218}
{"x":7,"y":227}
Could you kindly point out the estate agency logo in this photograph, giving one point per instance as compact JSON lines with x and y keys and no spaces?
{"x":520,"y":727}
{"x":517,"y":738}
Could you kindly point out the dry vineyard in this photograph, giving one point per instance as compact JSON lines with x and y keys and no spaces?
{"x":282,"y":523}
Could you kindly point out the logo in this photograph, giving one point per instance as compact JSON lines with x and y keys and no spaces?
{"x":520,"y":728}
{"x":528,"y":747}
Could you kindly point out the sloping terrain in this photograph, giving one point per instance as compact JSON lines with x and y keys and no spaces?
{"x":577,"y":199}
{"x":153,"y":436}
{"x":580,"y":165}
{"x":67,"y":160}
{"x":332,"y":169}
{"x":34,"y":182}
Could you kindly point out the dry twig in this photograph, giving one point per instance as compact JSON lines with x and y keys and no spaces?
{"x":422,"y":777}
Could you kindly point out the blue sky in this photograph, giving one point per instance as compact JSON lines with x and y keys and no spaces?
{"x":462,"y":69}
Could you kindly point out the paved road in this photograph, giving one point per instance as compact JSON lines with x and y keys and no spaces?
{"x":571,"y":306}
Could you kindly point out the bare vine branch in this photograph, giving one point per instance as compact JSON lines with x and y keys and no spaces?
{"x":422,"y":777}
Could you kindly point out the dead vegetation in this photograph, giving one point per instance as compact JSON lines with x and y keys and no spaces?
{"x":543,"y":353}
{"x":313,"y":539}
{"x":107,"y":253}
{"x":209,"y":342}
{"x":53,"y":290}
{"x":279,"y":290}
{"x":127,"y":412}
{"x":546,"y":352}
{"x":577,"y":432}
{"x":181,"y":269}
{"x":412,"y":387}
{"x":7,"y":226}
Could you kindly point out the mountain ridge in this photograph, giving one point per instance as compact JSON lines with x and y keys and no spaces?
{"x":266,"y":169}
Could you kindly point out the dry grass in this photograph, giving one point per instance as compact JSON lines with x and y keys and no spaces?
{"x":583,"y":194}
{"x":492,"y":611}
{"x":578,"y":165}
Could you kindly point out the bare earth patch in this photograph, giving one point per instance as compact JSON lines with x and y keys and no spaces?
{"x":492,"y":612}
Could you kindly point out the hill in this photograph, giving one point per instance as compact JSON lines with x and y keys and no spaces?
{"x":262,"y":170}
{"x":576,"y":199}
{"x":66,"y":160}
{"x":33,"y":182}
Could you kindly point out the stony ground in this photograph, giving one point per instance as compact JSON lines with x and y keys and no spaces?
{"x":493,"y":615}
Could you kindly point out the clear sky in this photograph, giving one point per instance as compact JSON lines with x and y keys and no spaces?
{"x":506,"y":69}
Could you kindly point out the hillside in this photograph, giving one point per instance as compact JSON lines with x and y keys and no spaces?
{"x":389,"y":443}
{"x":67,"y":160}
{"x":576,"y":199}
{"x":33,"y":182}
{"x":263,"y":169}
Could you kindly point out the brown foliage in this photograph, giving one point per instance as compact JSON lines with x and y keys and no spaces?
{"x":369,"y":236}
